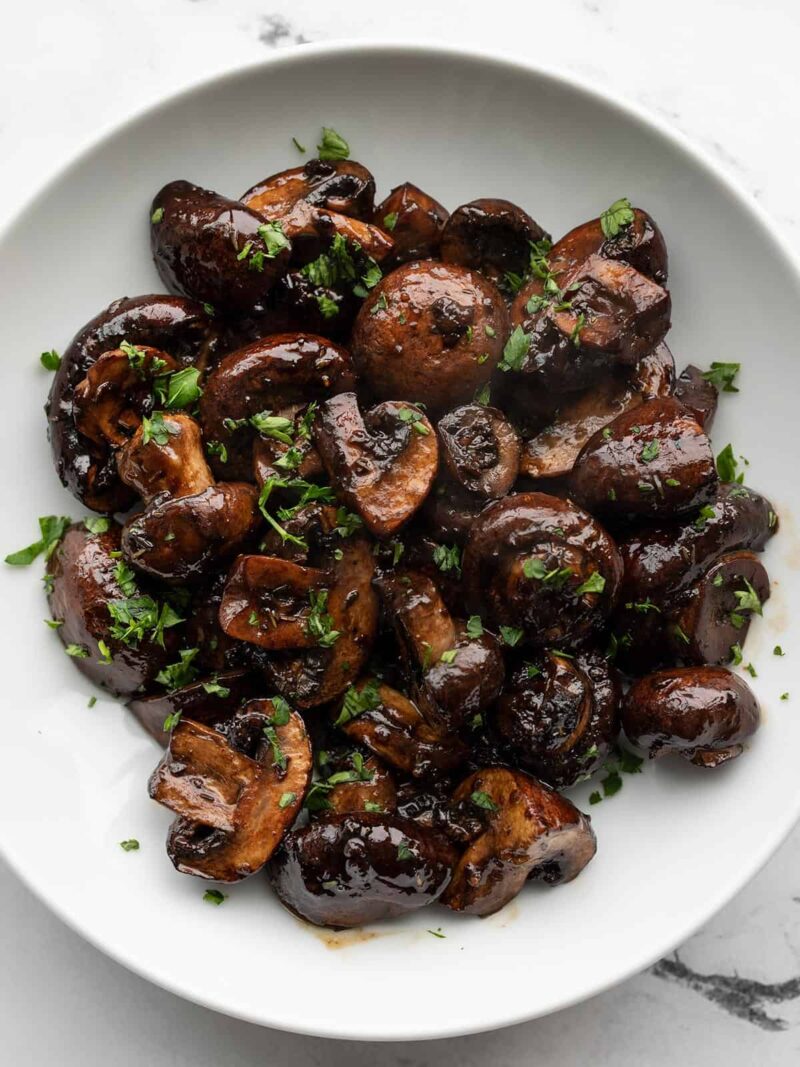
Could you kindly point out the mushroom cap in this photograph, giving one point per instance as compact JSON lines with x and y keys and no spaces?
{"x":383,"y":464}
{"x":697,"y":394}
{"x":422,"y":334}
{"x":640,"y":244}
{"x":356,"y":868}
{"x":266,"y":602}
{"x":210,"y":248}
{"x":481,"y":449}
{"x":552,"y":452}
{"x":268,"y":375}
{"x":171,"y":324}
{"x":85,"y":572}
{"x":233,"y":808}
{"x":177,"y":467}
{"x":533,"y":832}
{"x":562,"y":547}
{"x":654,"y":461}
{"x":492,"y":236}
{"x":194,"y":702}
{"x":339,"y":185}
{"x":418,"y":221}
{"x":353,"y":782}
{"x":182,"y":538}
{"x":703,"y":714}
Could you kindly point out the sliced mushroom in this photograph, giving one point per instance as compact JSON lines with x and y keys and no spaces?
{"x":338,"y":185}
{"x":352,"y":869}
{"x":667,"y":556}
{"x":542,"y":567}
{"x":654,"y":461}
{"x":432,"y":332}
{"x":170,"y":324}
{"x":177,"y":466}
{"x":267,"y":602}
{"x":233,"y":806}
{"x":267,"y":377}
{"x":312,"y":231}
{"x":639,"y":243}
{"x":450,"y":512}
{"x":533,"y":832}
{"x":704,"y":714}
{"x":274,"y":459}
{"x":481,"y":449}
{"x":558,"y":716}
{"x":414,"y":220}
{"x":552,"y":452}
{"x":382,"y":463}
{"x":393,"y":727}
{"x":610,"y":315}
{"x":117,"y":391}
{"x":351,"y":782}
{"x":697,"y":394}
{"x":87,"y":598}
{"x":492,"y":236}
{"x":456,"y":673}
{"x":207,"y":701}
{"x":214,"y":249}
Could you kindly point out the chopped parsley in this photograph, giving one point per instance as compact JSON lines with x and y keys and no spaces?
{"x":157,"y":216}
{"x":705,"y":513}
{"x":319,"y":623}
{"x":727,"y":466}
{"x":448,"y":656}
{"x":650,"y":452}
{"x":447,"y":558}
{"x":404,"y":852}
{"x":736,"y":654}
{"x":414,"y":419}
{"x":748,"y":599}
{"x":96,"y":524}
{"x":176,"y":675}
{"x":77,"y":651}
{"x":778,"y":651}
{"x":131,"y":845}
{"x":474,"y":627}
{"x":298,"y":146}
{"x":723,"y":375}
{"x":332,"y":145}
{"x":287,"y":799}
{"x":511,"y":635}
{"x":390,"y":221}
{"x":52,"y":528}
{"x":50,"y":360}
{"x":595,"y":583}
{"x":356,"y":702}
{"x":617,"y":217}
{"x":483,"y":800}
{"x":217,"y":448}
{"x":515,"y":351}
{"x":271,"y":233}
{"x":214,"y":896}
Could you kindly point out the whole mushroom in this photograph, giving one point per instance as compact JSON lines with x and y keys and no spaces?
{"x":414,"y":220}
{"x":492,"y":236}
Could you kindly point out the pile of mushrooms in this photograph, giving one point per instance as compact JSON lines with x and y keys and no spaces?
{"x":406,"y":524}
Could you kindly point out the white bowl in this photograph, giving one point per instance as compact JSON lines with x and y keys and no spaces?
{"x":677,"y":842}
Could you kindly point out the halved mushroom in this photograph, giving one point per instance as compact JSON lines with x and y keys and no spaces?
{"x":533,"y":832}
{"x":667,"y":556}
{"x":430,"y":331}
{"x":117,"y":391}
{"x":312,"y":231}
{"x":541,"y":567}
{"x":179,"y":536}
{"x":713,"y":614}
{"x":449,"y":512}
{"x":481,"y":449}
{"x":348,"y":870}
{"x":235,"y":796}
{"x":654,"y":461}
{"x":325,"y":618}
{"x":339,"y":185}
{"x":394,"y":727}
{"x":558,"y":716}
{"x":207,"y":701}
{"x":274,"y":459}
{"x":609,"y":315}
{"x":697,"y":394}
{"x":553,"y":451}
{"x":639,"y":243}
{"x":383,"y":463}
{"x":179,"y":327}
{"x":704,"y":714}
{"x":456,"y":670}
{"x":114,"y":631}
{"x":264,"y":378}
{"x":414,"y":220}
{"x":349,"y":782}
{"x":492,"y":236}
{"x":213,"y":249}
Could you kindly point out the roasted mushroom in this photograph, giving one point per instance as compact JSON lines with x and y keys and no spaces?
{"x":181,"y":328}
{"x":383,"y":463}
{"x":492,"y":236}
{"x":697,"y":394}
{"x":188,"y":522}
{"x":254,"y":383}
{"x":340,"y":185}
{"x":654,"y":461}
{"x":351,"y":869}
{"x":704,"y":714}
{"x":414,"y":220}
{"x":394,"y":727}
{"x":207,"y":701}
{"x":235,"y":796}
{"x":351,"y":781}
{"x":118,"y":635}
{"x":665,"y":556}
{"x":533,"y":832}
{"x":481,"y":450}
{"x":215,"y":250}
{"x":432,"y":332}
{"x":558,"y":716}
{"x":542,"y":568}
{"x":552,"y":452}
{"x":637,"y":241}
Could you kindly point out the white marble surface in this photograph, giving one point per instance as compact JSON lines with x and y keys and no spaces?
{"x":722,"y":71}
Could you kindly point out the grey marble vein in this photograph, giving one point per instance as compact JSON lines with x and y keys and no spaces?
{"x":276,"y":31}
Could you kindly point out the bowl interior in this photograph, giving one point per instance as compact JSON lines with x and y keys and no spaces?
{"x":676,"y":843}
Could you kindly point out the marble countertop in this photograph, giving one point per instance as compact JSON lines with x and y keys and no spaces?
{"x":723,"y":74}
